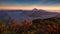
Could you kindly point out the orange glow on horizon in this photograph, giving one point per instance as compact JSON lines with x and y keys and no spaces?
{"x":29,"y":7}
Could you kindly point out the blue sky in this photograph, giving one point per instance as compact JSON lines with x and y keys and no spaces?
{"x":30,"y":2}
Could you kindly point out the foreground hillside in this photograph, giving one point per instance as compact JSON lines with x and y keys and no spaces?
{"x":36,"y":26}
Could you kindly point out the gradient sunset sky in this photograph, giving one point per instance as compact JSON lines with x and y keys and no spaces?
{"x":29,"y":4}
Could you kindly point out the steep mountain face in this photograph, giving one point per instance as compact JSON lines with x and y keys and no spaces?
{"x":19,"y":15}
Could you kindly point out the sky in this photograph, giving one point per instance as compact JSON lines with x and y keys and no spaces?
{"x":29,"y":4}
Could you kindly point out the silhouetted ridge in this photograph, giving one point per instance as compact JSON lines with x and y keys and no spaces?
{"x":29,"y":14}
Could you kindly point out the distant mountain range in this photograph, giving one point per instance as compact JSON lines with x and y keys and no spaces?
{"x":20,"y":15}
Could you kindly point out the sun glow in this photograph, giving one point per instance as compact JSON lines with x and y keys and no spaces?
{"x":29,"y":7}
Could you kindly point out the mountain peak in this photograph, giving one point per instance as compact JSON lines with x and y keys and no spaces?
{"x":35,"y":9}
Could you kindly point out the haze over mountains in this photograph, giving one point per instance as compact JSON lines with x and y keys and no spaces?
{"x":20,"y":15}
